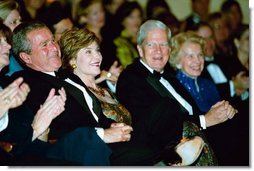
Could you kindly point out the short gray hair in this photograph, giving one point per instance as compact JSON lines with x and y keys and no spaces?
{"x":151,"y":25}
{"x":20,"y":41}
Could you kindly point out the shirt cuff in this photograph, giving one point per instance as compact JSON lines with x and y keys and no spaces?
{"x":202,"y":121}
{"x":232,"y":88}
{"x":244,"y":95}
{"x":111,"y":86}
{"x":100,"y":132}
{"x":4,"y":121}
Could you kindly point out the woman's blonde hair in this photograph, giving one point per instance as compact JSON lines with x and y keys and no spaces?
{"x":6,"y":6}
{"x":177,"y":42}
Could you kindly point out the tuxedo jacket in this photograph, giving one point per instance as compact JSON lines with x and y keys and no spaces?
{"x":76,"y":113}
{"x":224,"y":88}
{"x":154,"y":111}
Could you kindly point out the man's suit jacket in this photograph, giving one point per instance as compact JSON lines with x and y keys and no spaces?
{"x":19,"y":133}
{"x":154,"y":112}
{"x":223,"y":88}
{"x":76,"y":113}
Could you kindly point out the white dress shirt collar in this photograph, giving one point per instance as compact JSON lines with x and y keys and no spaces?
{"x":148,"y":67}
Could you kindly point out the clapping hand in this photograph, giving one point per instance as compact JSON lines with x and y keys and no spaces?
{"x":112,"y":74}
{"x":115,"y":69}
{"x":13,"y":95}
{"x":52,"y":107}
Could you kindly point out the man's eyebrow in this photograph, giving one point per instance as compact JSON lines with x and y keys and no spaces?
{"x":43,"y":42}
{"x":47,"y":40}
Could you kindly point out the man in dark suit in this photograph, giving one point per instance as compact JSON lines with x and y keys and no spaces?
{"x":199,"y":13}
{"x":24,"y":139}
{"x":34,"y":44}
{"x":157,"y":101}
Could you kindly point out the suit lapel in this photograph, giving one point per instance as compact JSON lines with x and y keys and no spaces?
{"x":70,"y":89}
{"x":155,"y":83}
{"x":158,"y":87}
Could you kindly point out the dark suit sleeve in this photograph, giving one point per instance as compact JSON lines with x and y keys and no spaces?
{"x":106,"y":122}
{"x":19,"y":130}
{"x":224,"y":90}
{"x":152,"y":115}
{"x":37,"y":94}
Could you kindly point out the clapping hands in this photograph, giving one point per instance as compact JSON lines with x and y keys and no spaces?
{"x":52,"y":107}
{"x":13,"y":95}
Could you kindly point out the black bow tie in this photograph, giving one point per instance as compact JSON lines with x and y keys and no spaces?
{"x":157,"y":74}
{"x":61,"y":74}
{"x":57,"y":74}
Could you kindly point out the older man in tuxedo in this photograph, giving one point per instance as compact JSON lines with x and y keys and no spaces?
{"x":158,"y":102}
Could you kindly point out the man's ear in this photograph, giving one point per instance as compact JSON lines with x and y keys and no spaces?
{"x":140,"y":51}
{"x":25,"y":57}
{"x":236,"y":42}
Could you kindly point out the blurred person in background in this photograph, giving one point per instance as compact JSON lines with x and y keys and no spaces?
{"x":199,"y":12}
{"x":10,"y":15}
{"x":155,"y":8}
{"x":129,"y":16}
{"x":232,"y":12}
